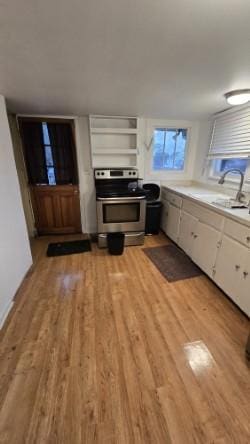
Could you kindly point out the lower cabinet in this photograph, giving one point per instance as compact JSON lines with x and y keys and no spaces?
{"x":205,"y":247}
{"x":173,"y":222}
{"x":232,"y":272}
{"x":199,"y":241}
{"x":188,"y":224}
{"x":164,"y":215}
{"x":213,"y":248}
{"x":244,"y":300}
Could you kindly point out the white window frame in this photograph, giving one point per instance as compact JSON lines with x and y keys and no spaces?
{"x":230,"y":178}
{"x":191,"y":144}
{"x":185,"y":153}
{"x":232,"y":114}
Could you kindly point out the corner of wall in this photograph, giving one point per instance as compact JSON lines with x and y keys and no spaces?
{"x":15,"y":254}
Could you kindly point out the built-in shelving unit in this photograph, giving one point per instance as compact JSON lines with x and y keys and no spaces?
{"x":114,"y":141}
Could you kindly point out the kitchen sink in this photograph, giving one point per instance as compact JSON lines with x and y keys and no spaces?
{"x":230,"y":203}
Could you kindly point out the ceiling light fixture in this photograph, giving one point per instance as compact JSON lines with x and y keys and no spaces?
{"x":238,"y":97}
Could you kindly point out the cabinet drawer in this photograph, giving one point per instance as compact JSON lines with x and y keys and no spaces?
{"x":174,"y":199}
{"x":237,"y":231}
{"x":204,"y":215}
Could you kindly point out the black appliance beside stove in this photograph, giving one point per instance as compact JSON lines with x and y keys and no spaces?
{"x":121,"y":205}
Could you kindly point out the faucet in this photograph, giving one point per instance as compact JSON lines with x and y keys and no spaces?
{"x":239,"y":194}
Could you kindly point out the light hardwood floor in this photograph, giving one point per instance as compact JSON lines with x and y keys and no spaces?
{"x":102,"y":349}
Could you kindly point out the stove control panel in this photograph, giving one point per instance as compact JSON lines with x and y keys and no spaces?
{"x":116,"y":174}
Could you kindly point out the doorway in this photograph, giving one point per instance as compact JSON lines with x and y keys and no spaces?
{"x":50,"y":157}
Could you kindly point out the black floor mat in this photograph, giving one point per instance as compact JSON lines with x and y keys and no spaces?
{"x":172,"y":262}
{"x":72,"y":247}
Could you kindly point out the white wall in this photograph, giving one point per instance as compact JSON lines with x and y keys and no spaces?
{"x":203,"y":141}
{"x":163,"y":176}
{"x":22,"y":175}
{"x":86,"y":175}
{"x":15,"y":255}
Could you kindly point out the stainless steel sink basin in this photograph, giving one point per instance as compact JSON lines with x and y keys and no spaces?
{"x":229,"y":203}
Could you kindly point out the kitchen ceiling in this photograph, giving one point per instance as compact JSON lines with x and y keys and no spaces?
{"x":158,"y":58}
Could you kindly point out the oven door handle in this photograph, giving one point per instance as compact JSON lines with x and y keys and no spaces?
{"x":121,"y":199}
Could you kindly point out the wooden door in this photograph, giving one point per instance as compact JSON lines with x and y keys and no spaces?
{"x":56,"y":209}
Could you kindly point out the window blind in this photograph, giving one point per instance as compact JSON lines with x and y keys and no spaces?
{"x":231,"y":135}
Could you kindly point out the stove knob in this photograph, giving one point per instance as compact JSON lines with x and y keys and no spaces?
{"x":129,"y":173}
{"x":102,"y":173}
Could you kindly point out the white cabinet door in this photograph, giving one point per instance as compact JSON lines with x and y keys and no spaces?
{"x":244,"y":295}
{"x":188,"y":224}
{"x":205,"y":247}
{"x":230,"y":266}
{"x":164,"y":216}
{"x":173,"y":222}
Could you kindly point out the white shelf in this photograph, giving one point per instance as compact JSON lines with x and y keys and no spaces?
{"x":119,"y":151}
{"x":115,"y":122}
{"x":113,"y":130}
{"x":114,"y":141}
{"x":104,"y":117}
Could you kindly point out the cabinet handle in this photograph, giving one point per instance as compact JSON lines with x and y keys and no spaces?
{"x":245,"y":274}
{"x":237,"y":267}
{"x":192,"y":233}
{"x":248,"y":238}
{"x":195,"y":236}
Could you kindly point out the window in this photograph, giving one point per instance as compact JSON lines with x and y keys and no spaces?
{"x":48,"y":155}
{"x":222,"y":165}
{"x":49,"y":151}
{"x":169,"y":149}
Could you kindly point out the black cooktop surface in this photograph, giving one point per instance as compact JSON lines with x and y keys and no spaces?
{"x":132,"y":192}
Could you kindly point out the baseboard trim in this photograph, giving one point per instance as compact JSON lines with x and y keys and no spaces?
{"x":5,"y":313}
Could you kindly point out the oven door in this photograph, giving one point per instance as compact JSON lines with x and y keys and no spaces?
{"x":121,"y":214}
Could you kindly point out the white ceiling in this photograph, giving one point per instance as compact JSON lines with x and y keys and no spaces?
{"x":155,"y":58}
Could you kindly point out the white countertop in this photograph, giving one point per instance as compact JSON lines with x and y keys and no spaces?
{"x":205,"y":197}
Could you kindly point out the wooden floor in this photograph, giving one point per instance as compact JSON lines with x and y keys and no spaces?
{"x":103,"y":349}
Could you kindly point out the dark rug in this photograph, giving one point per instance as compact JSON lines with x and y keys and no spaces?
{"x":172,"y":262}
{"x":72,"y":247}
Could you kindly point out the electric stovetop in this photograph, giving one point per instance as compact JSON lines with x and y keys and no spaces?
{"x":107,"y":193}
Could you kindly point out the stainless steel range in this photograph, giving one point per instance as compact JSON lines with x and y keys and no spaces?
{"x":121,"y":205}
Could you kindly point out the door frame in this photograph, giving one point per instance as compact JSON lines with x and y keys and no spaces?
{"x":29,"y":209}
